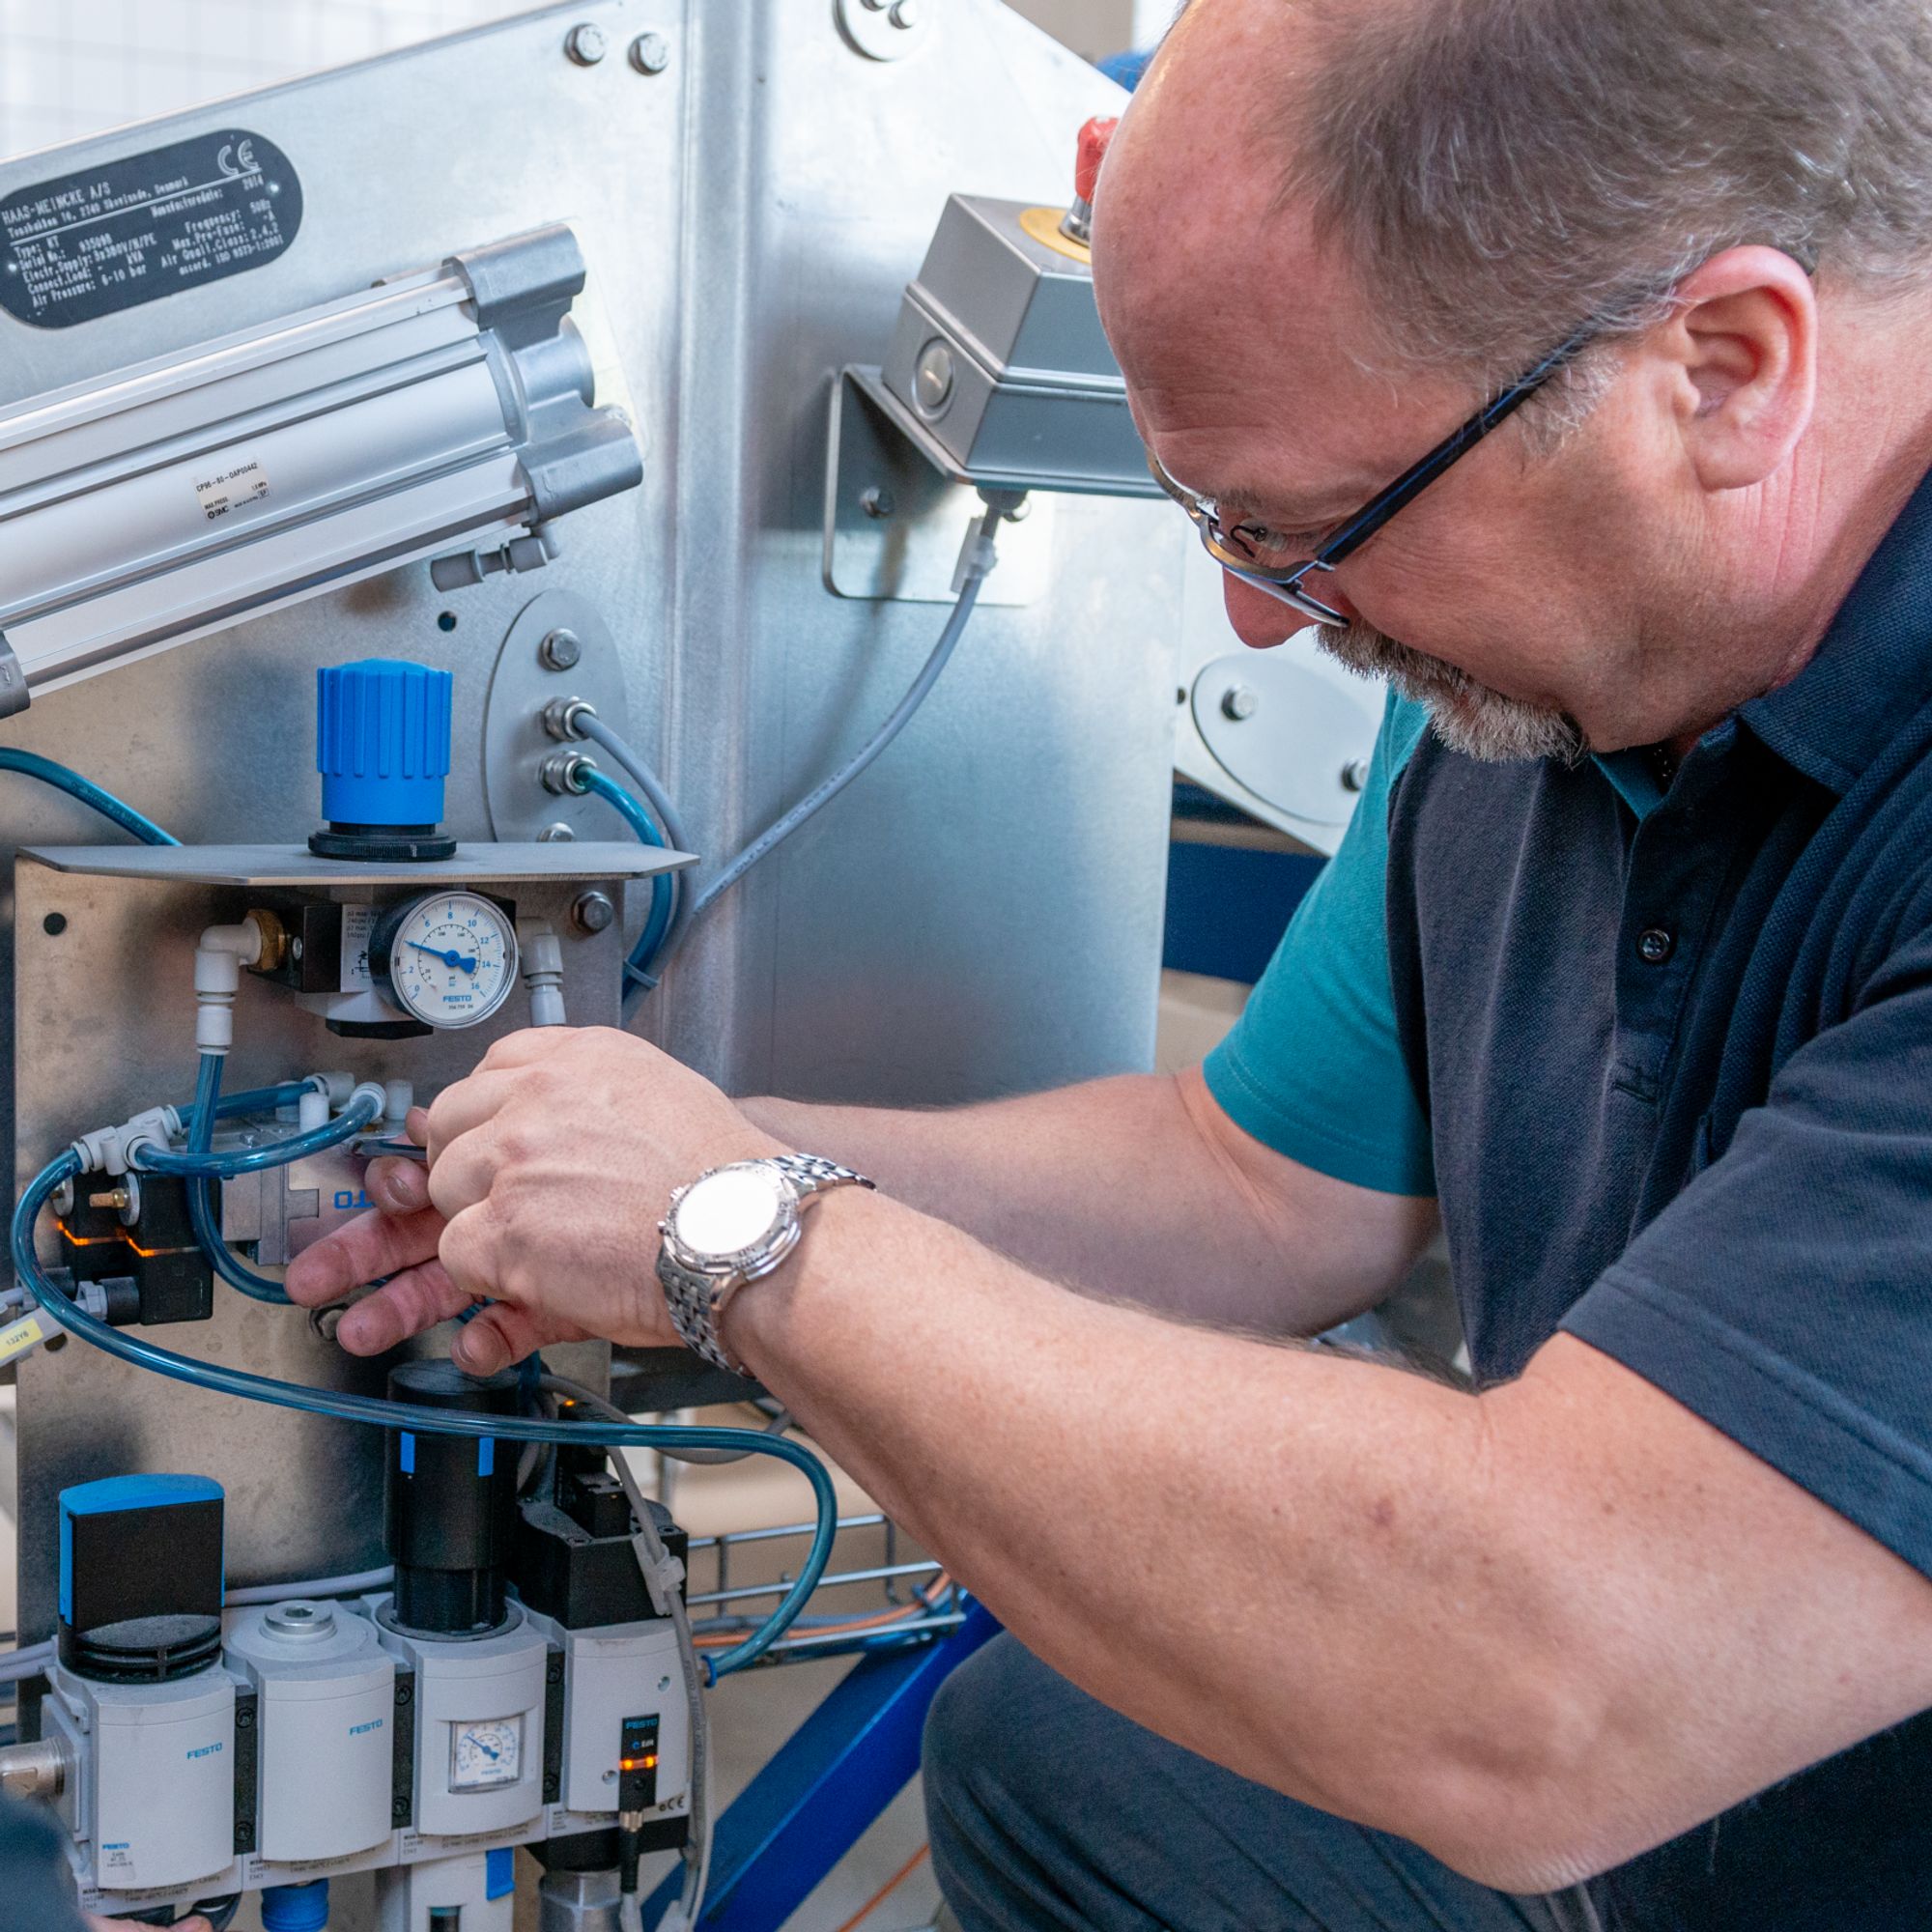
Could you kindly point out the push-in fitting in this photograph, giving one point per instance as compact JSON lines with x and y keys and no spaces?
{"x":563,"y":718}
{"x":562,"y":772}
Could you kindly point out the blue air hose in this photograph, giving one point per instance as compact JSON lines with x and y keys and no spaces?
{"x":208,"y":1107}
{"x":30,"y":764}
{"x":383,"y":1415}
{"x":665,"y":888}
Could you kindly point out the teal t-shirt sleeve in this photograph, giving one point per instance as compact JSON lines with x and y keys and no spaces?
{"x":1314,"y":1066}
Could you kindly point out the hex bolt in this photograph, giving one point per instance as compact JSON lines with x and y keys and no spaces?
{"x":877,"y":502}
{"x":906,"y":14}
{"x":558,"y":834}
{"x":593,"y":912}
{"x":587,"y":45}
{"x":561,"y":650}
{"x":1354,"y":775}
{"x":1238,"y":703}
{"x":650,"y":53}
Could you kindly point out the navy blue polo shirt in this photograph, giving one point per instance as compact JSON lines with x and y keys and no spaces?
{"x":1665,"y":1056}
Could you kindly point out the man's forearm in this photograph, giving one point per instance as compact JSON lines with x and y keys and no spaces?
{"x":1531,"y":1629}
{"x":1255,"y":1583}
{"x":1122,"y":1188}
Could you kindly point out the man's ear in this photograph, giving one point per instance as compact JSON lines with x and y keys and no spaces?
{"x":1743,"y":346}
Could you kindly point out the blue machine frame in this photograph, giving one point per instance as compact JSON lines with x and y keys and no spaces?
{"x":835,"y":1775}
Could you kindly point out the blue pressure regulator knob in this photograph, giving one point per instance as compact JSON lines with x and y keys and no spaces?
{"x":381,"y":744}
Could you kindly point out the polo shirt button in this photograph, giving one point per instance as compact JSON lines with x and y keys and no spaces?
{"x":1655,"y":944}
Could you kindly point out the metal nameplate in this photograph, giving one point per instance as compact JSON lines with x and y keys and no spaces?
{"x":123,"y":233}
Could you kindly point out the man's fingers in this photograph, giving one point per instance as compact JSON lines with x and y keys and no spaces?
{"x":460,"y":1108}
{"x":468,"y":1252}
{"x":397,"y":1186}
{"x":417,"y":1299}
{"x":501,"y":1334}
{"x":364,"y":1249}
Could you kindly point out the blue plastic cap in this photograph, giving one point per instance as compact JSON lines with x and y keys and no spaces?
{"x":381,"y":742}
{"x":296,"y":1908}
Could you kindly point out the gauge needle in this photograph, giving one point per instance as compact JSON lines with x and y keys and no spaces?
{"x":463,"y":962}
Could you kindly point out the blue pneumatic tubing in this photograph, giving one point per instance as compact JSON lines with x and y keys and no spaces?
{"x":663,"y":888}
{"x":208,"y":1107}
{"x":383,"y":1415}
{"x":30,"y":764}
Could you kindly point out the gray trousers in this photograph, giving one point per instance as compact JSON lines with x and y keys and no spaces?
{"x":1047,"y":1810}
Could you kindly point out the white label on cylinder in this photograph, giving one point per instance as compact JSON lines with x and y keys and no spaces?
{"x":230,"y":489}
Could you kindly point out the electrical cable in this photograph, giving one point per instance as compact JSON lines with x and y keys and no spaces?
{"x":666,"y":887}
{"x":885,"y":1890}
{"x":30,"y":764}
{"x":343,"y":1407}
{"x":978,"y":565}
{"x":653,"y":1560}
{"x":588,"y":724}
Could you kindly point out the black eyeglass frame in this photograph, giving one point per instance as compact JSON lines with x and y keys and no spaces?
{"x":1286,"y":584}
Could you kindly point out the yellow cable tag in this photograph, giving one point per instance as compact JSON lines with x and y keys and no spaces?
{"x":18,"y":1338}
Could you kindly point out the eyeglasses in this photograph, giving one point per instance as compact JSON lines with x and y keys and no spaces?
{"x":1277,"y":566}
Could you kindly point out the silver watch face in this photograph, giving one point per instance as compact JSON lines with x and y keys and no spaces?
{"x":733,"y":1211}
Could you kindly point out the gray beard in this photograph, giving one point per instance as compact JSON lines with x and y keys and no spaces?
{"x":1468,"y":716}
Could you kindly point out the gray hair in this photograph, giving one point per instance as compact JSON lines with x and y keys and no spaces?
{"x":1501,"y":171}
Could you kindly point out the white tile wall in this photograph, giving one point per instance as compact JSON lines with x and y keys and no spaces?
{"x":69,"y":68}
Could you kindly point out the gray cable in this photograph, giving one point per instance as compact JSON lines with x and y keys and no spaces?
{"x":639,"y":773}
{"x":651,"y":1559}
{"x":980,"y":556}
{"x":978,"y":565}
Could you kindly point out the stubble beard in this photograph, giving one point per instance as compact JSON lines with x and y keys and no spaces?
{"x":1467,"y":716}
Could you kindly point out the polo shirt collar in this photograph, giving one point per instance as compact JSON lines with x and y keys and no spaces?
{"x":1872,"y":671}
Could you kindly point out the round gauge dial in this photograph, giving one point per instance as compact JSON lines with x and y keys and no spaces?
{"x":486,"y":1754}
{"x":448,"y":959}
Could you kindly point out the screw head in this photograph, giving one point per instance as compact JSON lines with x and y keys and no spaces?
{"x":932,"y":377}
{"x":587,"y":45}
{"x":593,"y":912}
{"x":561,"y":650}
{"x":1238,"y":703}
{"x":906,"y":14}
{"x":558,"y":834}
{"x":1354,"y":775}
{"x":650,"y":53}
{"x":877,"y":502}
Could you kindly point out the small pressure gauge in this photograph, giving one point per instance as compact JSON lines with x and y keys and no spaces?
{"x":485,"y":1754}
{"x":448,"y":959}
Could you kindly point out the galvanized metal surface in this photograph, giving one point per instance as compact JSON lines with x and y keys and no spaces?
{"x":980,"y":915}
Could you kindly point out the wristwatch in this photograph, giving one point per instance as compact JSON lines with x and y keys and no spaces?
{"x":729,"y":1226}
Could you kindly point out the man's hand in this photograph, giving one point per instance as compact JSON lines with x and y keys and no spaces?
{"x":94,"y":1924}
{"x":549,"y":1170}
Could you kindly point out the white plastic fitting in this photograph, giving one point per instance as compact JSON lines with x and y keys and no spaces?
{"x":398,"y":1098}
{"x":311,"y":1111}
{"x":543,"y":971}
{"x":218,"y":959}
{"x":337,"y":1082}
{"x":370,"y":1098}
{"x":111,"y":1150}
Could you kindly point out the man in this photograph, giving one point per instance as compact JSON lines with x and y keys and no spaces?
{"x":1626,"y":962}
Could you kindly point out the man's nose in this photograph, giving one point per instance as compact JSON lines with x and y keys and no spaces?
{"x":1262,"y":621}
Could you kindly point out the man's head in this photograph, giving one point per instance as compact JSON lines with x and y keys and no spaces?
{"x":1329,"y":230}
